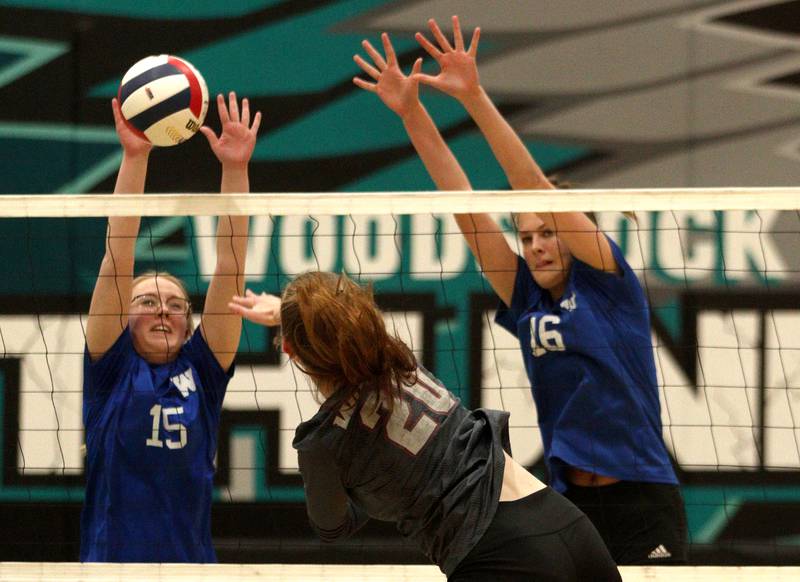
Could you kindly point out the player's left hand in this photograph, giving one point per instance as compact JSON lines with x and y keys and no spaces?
{"x":264,"y":309}
{"x":238,"y":138}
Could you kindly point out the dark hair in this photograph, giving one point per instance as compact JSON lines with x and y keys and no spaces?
{"x":560,"y":184}
{"x":338,"y":337}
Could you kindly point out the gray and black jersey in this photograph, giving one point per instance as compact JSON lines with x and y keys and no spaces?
{"x":430,"y":465}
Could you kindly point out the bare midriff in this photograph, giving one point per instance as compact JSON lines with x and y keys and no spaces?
{"x":517,"y":481}
{"x":583,"y":478}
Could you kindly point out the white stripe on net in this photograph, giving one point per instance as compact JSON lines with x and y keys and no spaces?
{"x":356,"y":203}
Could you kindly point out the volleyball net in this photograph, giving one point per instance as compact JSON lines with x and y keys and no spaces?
{"x":721,"y":269}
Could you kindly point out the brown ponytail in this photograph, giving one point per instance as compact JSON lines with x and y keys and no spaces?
{"x":338,"y":337}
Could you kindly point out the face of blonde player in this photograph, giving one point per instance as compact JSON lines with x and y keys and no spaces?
{"x":157,"y":335}
{"x":548,"y":258}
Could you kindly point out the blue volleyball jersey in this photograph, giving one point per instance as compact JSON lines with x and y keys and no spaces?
{"x":589,"y":359}
{"x":151,"y":439}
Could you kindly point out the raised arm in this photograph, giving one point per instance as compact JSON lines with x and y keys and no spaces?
{"x":233,"y":148}
{"x":332,"y":513}
{"x":400,"y":93}
{"x":263,"y":309}
{"x":108,"y":312}
{"x":459,"y":78}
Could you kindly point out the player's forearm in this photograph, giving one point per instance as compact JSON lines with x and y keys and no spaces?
{"x":132,"y":173}
{"x":514,"y":157}
{"x":232,"y":231}
{"x":235,"y":178}
{"x":123,"y":230}
{"x":439,"y":161}
{"x":112,"y":290}
{"x":330,"y":511}
{"x":120,"y":249}
{"x":354,"y":521}
{"x":231,"y":246}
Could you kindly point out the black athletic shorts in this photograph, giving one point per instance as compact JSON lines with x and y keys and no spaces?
{"x":641,"y":523}
{"x":542,"y":537}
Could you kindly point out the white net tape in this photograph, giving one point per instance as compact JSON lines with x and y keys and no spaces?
{"x":358,"y":203}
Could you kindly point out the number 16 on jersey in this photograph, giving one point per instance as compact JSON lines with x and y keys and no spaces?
{"x":544,"y":337}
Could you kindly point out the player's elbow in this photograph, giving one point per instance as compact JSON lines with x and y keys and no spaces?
{"x":332,"y":535}
{"x":326,"y":538}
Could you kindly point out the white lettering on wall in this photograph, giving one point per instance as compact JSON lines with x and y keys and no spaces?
{"x":258,"y":246}
{"x":372,"y":245}
{"x":300,"y":253}
{"x":436,"y":259}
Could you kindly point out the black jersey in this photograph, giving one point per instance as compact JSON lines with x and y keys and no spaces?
{"x":432,"y":466}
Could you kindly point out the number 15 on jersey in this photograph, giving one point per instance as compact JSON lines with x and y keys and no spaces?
{"x":160,"y":414}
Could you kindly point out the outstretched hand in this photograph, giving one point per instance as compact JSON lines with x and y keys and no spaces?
{"x":458,"y":76}
{"x":399,"y":92}
{"x":132,"y":144}
{"x":238,"y":138}
{"x":264,"y":309}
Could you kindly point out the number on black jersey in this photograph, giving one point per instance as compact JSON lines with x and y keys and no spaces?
{"x":414,"y":418}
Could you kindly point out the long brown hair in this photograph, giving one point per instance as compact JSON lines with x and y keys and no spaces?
{"x":338,"y":337}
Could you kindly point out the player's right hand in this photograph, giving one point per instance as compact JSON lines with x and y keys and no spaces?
{"x":264,"y":309}
{"x":132,"y":144}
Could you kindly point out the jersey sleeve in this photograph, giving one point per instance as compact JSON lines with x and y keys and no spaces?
{"x":102,"y":376}
{"x":622,"y":286}
{"x":213,"y":377}
{"x":526,"y":293}
{"x":331,"y":512}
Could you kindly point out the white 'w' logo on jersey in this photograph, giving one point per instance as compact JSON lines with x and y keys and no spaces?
{"x":184,"y":382}
{"x":569,"y":304}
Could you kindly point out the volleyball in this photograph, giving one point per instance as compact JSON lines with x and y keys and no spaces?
{"x":164,"y":99}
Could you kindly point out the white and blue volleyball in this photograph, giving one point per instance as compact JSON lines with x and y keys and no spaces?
{"x":164,"y":99}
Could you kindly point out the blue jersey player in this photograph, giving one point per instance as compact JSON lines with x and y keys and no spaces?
{"x":153,"y":387}
{"x":579,"y":313}
{"x":389,"y":442}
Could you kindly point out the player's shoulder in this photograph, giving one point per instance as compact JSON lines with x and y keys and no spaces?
{"x":310,"y":434}
{"x":196,"y":346}
{"x":618,"y":286}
